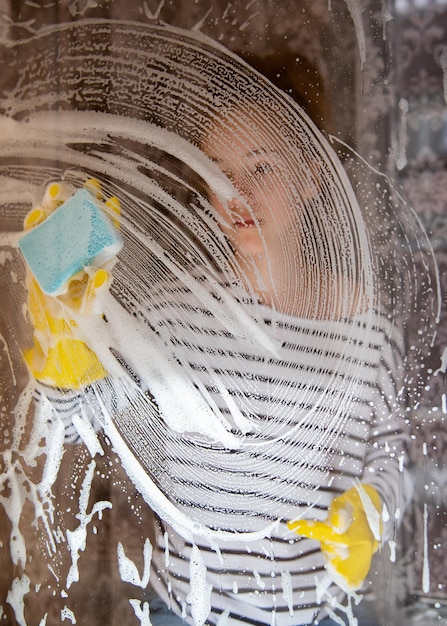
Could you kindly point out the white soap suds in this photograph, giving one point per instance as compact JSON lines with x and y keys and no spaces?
{"x":88,"y":435}
{"x":19,"y":588}
{"x":372,"y":514}
{"x":392,"y":546}
{"x":287,"y":590}
{"x":199,"y":596}
{"x":67,"y":614}
{"x":8,"y":356}
{"x":356,"y":11}
{"x":141,"y":610}
{"x":400,"y":145}
{"x":223,"y":619}
{"x":443,"y":367}
{"x":259,"y":580}
{"x":77,"y":539}
{"x":167,"y":560}
{"x":129,"y":571}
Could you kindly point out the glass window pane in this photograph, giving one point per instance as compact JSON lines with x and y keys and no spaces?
{"x":223,"y":363}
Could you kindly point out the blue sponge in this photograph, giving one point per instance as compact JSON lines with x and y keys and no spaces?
{"x":75,"y":236}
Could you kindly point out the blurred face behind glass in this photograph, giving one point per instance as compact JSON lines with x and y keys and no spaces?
{"x":263,"y":219}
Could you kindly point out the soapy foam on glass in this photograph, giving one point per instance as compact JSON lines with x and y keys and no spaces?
{"x":122,"y":166}
{"x":134,"y":345}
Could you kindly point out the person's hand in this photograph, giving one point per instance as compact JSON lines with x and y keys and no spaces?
{"x":349,"y":536}
{"x":58,"y":357}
